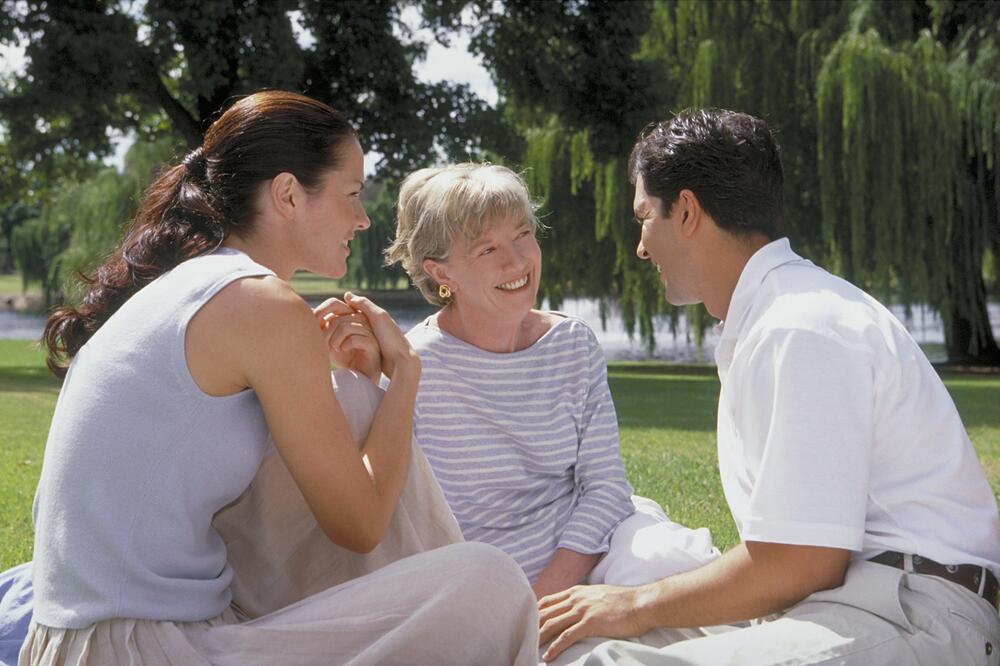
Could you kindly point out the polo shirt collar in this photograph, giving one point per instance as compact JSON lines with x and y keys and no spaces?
{"x":766,"y":259}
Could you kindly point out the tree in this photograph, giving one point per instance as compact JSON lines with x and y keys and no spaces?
{"x":165,"y":69}
{"x":12,"y":216}
{"x":81,"y":221}
{"x":887,"y":114}
{"x":173,"y":65}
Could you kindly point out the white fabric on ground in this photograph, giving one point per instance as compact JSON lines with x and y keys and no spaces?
{"x":648,"y":546}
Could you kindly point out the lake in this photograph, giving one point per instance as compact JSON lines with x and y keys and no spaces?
{"x":923,"y":323}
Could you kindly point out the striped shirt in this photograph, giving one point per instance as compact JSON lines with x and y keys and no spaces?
{"x":524,"y":444}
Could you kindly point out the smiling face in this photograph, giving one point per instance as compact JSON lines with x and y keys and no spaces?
{"x":331,"y":214}
{"x":495,"y":276}
{"x":663,"y":244}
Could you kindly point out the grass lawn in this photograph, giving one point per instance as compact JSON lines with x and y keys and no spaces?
{"x":667,"y":415}
{"x":10,"y":283}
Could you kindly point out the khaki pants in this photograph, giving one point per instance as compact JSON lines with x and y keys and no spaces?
{"x":421,"y":597}
{"x":881,"y":616}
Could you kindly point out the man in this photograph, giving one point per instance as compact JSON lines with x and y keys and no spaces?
{"x":869,"y":534}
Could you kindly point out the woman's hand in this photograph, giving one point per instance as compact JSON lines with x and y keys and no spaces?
{"x":350,"y":340}
{"x":396,"y":350}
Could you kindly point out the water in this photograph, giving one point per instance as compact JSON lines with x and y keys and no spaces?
{"x":14,"y":326}
{"x":923,"y":323}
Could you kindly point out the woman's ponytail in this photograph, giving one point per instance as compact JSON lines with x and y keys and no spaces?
{"x":175,"y":222}
{"x":191,"y":208}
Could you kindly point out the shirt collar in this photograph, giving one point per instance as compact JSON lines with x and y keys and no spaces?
{"x":766,"y":259}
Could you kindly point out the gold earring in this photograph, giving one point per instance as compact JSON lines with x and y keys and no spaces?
{"x":444,"y":291}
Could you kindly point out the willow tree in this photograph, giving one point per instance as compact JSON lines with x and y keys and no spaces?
{"x":909,"y":136}
{"x":886,"y":113}
{"x":81,"y":222}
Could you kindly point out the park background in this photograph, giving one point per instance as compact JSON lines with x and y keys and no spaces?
{"x":887,"y":112}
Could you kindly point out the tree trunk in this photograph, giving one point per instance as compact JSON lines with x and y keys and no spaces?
{"x":969,"y":339}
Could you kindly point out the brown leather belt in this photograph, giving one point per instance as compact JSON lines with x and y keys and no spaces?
{"x":979,"y":580}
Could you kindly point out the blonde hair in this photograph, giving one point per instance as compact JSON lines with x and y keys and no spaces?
{"x":440,"y":204}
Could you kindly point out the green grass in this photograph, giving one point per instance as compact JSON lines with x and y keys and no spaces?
{"x":27,"y":397}
{"x":10,"y":283}
{"x":667,"y":416}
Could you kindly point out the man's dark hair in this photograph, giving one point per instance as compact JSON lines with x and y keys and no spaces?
{"x":728,"y":159}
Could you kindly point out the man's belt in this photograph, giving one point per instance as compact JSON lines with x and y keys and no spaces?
{"x":979,"y":580}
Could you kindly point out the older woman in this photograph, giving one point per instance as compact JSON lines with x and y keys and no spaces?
{"x":513,"y":409}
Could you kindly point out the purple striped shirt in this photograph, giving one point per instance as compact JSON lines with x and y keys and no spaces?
{"x":524,"y":444}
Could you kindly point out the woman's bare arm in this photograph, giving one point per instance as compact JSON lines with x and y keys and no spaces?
{"x":258,"y":333}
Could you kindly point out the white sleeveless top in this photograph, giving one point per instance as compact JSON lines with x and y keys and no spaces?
{"x":138,"y":460}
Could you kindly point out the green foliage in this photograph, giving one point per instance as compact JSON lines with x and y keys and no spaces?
{"x":886,"y":113}
{"x":37,"y":245}
{"x":169,"y":66}
{"x":366,"y":268}
{"x":12,"y":216}
{"x":907,"y":143}
{"x":83,"y":222}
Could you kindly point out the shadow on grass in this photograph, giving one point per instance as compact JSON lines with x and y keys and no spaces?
{"x":651,"y":400}
{"x":28,"y":379}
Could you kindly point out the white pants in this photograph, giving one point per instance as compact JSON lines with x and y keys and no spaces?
{"x":648,"y":546}
{"x":881,"y":616}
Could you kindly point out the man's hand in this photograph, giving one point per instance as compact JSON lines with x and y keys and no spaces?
{"x":751,"y":580}
{"x":588,"y":610}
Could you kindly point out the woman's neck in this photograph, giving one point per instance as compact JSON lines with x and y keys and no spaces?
{"x":262,"y":253}
{"x":490,"y":333}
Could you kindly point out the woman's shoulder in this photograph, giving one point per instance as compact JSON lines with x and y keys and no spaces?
{"x":260,"y":295}
{"x":562,"y":328}
{"x":258,"y":306}
{"x":424,"y":334}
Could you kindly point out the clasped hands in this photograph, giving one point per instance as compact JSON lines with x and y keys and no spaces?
{"x":360,"y":335}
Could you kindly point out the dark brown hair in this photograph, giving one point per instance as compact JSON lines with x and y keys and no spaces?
{"x":728,"y":159}
{"x":192,"y":207}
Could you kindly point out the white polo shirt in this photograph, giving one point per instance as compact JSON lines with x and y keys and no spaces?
{"x":834,"y":429}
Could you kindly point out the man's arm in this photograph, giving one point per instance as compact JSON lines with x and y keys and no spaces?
{"x":749,"y":581}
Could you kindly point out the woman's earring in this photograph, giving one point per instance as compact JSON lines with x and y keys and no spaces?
{"x":444,"y":291}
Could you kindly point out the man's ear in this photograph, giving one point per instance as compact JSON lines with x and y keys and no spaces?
{"x":285,"y":195}
{"x":689,"y":211}
{"x":438,"y":272}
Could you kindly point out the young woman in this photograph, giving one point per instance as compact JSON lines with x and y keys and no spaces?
{"x":514,"y":412}
{"x":188,"y":350}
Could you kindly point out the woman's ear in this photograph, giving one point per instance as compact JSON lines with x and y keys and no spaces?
{"x":438,"y":272}
{"x":284,"y":194}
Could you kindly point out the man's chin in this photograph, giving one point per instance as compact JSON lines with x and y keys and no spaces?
{"x":677,"y":300}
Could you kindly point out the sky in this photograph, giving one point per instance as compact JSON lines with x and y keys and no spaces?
{"x":451,"y":63}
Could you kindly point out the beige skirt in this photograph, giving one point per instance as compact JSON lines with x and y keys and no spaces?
{"x":420,"y":597}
